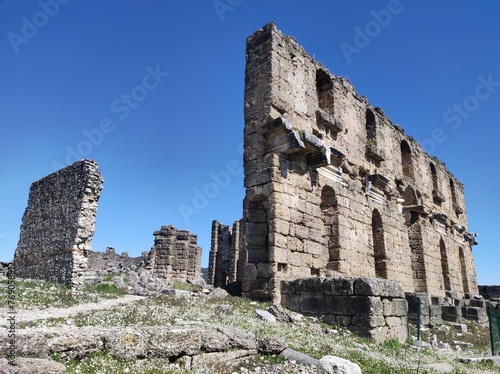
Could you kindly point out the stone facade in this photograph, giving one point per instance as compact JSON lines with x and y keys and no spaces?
{"x":333,"y":187}
{"x":224,"y":258}
{"x":58,"y":224}
{"x":175,"y":255}
{"x":373,"y":308}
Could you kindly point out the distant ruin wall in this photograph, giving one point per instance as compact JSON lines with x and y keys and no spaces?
{"x":175,"y":255}
{"x":110,"y":260}
{"x":490,"y":292}
{"x":58,"y":224}
{"x":373,"y":308}
{"x":225,"y":260}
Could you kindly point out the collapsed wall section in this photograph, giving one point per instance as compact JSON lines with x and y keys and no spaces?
{"x":58,"y":224}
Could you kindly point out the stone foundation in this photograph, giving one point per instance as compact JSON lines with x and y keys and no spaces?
{"x":373,"y":308}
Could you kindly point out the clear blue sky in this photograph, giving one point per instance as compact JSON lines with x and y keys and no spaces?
{"x":153,"y":91}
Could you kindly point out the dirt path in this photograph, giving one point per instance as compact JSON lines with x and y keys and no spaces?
{"x":33,"y":315}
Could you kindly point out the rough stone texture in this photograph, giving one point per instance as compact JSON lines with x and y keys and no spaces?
{"x":373,"y":308}
{"x":333,"y":186}
{"x":224,"y":257}
{"x":337,"y":365}
{"x":175,"y":255}
{"x":98,"y":261}
{"x":272,"y":345}
{"x":128,"y":343}
{"x":32,"y":366}
{"x":58,"y":224}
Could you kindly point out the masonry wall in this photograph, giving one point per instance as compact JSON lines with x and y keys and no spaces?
{"x":109,"y":259}
{"x":333,"y":187}
{"x":175,"y":255}
{"x":373,"y":308}
{"x":58,"y":224}
{"x":224,"y":257}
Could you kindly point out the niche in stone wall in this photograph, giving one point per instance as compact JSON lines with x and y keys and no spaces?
{"x":463,"y":270}
{"x":329,"y":211}
{"x":456,"y":207}
{"x":437,"y":194}
{"x":379,"y":252}
{"x":406,"y":160}
{"x":445,"y":268}
{"x":324,"y":86}
{"x":373,"y":151}
{"x":326,"y":103}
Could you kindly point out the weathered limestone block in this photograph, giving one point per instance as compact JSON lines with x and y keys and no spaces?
{"x":58,"y":224}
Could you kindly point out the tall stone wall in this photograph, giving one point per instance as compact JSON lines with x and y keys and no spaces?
{"x":334,"y":187}
{"x":175,"y":255}
{"x":58,"y":224}
{"x":225,"y":262}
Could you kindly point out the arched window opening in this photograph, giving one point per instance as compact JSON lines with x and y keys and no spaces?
{"x":410,"y":202}
{"x":379,"y":245}
{"x":445,"y":266}
{"x":406,"y":160}
{"x":329,"y":210}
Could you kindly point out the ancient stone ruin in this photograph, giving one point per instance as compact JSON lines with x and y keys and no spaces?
{"x":58,"y":224}
{"x":335,"y":189}
{"x":333,"y":186}
{"x":224,"y":259}
{"x":175,"y":255}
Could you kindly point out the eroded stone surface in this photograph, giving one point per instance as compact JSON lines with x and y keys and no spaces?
{"x":58,"y":224}
{"x":333,"y":187}
{"x":175,"y":255}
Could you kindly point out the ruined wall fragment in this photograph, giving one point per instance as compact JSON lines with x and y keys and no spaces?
{"x":175,"y":255}
{"x":58,"y":224}
{"x":225,"y":259}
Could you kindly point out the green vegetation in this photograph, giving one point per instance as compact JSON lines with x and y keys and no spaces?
{"x":184,"y":286}
{"x":44,"y":294}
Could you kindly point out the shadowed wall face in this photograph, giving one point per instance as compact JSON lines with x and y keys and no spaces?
{"x":58,"y":224}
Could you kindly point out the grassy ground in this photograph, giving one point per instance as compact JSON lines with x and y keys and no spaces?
{"x":309,"y":335}
{"x":42,"y":294}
